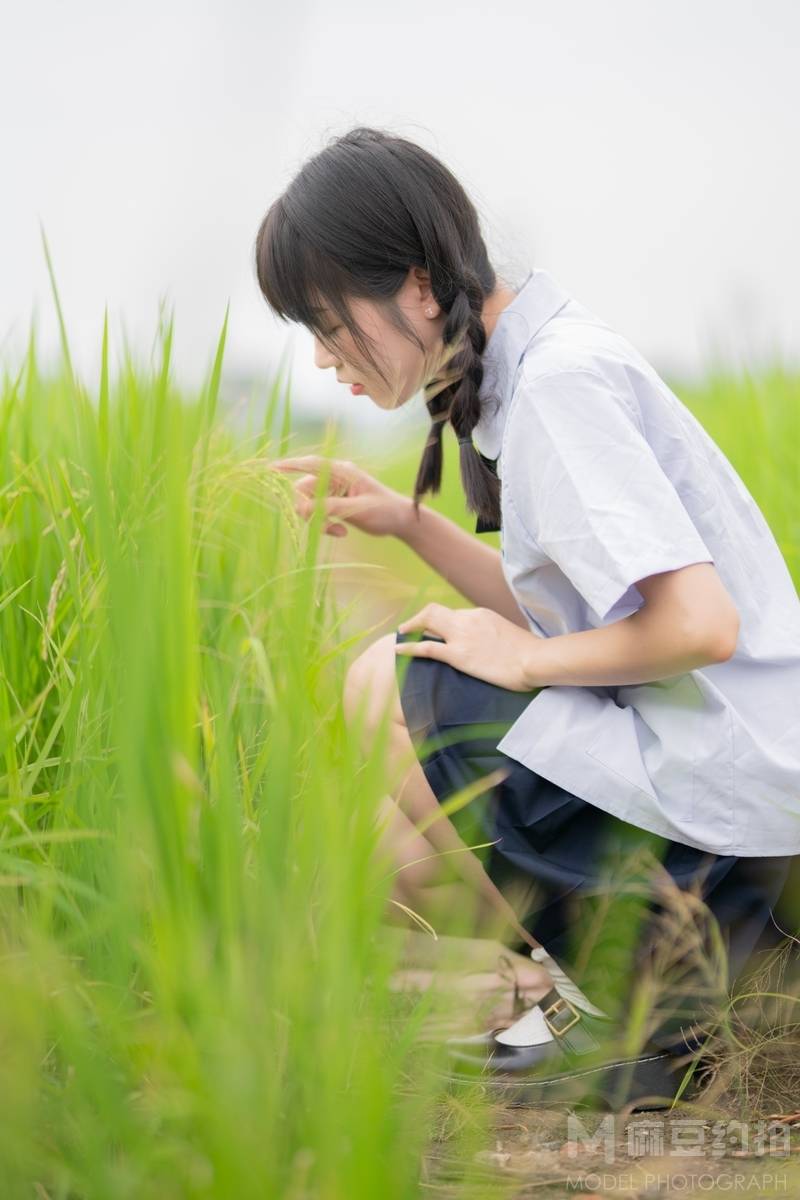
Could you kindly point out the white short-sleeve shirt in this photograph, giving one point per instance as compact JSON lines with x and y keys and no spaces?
{"x":607,"y":478}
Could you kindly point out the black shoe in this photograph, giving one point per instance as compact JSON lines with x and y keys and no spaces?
{"x":574,"y":1059}
{"x":553,"y":1026}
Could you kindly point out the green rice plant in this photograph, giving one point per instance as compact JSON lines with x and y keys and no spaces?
{"x":195,"y":992}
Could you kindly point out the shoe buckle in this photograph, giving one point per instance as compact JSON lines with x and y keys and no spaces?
{"x":559,"y":1006}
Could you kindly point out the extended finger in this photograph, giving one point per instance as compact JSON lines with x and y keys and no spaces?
{"x":340,"y":474}
{"x":306,"y":509}
{"x":435,"y":617}
{"x":304,"y":502}
{"x":304,"y":495}
{"x":306,"y":485}
{"x":301,"y":462}
{"x":350,"y":506}
{"x":424,"y":649}
{"x":316,"y":463}
{"x":339,"y":507}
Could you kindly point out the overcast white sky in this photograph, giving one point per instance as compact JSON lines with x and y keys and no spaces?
{"x":645,"y":154}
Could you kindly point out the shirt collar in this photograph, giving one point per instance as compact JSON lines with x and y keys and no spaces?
{"x":539,"y":299}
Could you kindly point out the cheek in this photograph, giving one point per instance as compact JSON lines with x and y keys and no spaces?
{"x":406,"y":363}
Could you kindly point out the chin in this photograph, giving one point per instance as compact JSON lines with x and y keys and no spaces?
{"x":393,"y":401}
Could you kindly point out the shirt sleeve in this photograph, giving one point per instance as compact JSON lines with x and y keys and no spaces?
{"x":587,"y":487}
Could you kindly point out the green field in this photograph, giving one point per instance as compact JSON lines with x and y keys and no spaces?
{"x":195,"y":992}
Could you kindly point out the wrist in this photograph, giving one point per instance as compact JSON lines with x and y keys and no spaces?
{"x":532,"y":665}
{"x":407,"y":521}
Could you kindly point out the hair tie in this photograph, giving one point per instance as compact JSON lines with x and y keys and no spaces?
{"x":465,"y":441}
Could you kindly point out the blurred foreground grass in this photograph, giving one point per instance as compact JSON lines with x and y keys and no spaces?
{"x":194,"y":977}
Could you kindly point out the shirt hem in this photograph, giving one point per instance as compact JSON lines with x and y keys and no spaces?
{"x":623,"y":801}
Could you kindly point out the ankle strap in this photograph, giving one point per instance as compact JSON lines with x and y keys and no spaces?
{"x":570,"y":1026}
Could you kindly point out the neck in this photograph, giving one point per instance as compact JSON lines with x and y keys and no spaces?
{"x":494,"y":304}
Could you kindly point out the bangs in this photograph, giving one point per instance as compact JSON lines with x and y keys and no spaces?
{"x":300,"y":283}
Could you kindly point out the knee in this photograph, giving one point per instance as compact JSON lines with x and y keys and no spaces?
{"x":371,"y":684}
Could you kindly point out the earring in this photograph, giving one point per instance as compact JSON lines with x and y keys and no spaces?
{"x":428,"y":312}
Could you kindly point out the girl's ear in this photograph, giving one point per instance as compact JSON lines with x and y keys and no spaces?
{"x":422,"y":281}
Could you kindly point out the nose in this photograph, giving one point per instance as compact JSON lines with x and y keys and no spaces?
{"x":323,"y":357}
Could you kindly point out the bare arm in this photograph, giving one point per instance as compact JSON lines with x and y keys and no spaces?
{"x":470,"y":566}
{"x":688,"y":620}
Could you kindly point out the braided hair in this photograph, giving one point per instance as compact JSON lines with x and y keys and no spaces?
{"x":357,"y":216}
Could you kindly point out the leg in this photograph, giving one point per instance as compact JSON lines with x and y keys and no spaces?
{"x":667,"y":932}
{"x":418,"y":879}
{"x":371,"y":691}
{"x":736,"y":896}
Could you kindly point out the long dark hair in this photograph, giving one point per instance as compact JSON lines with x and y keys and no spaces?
{"x":353,"y":221}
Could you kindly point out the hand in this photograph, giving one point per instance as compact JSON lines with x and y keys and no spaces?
{"x":477,"y":641}
{"x":353,"y":496}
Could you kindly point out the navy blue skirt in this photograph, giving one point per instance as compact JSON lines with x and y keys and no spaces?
{"x":551,"y":846}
